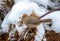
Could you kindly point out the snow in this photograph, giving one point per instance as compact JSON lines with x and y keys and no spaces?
{"x":18,"y":10}
{"x":55,"y":20}
{"x":16,"y":1}
{"x":5,"y":23}
{"x":53,"y":5}
{"x":40,"y":33}
{"x":21,"y":28}
{"x":43,"y":2}
{"x":24,"y":7}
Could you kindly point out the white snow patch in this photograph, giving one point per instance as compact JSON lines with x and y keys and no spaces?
{"x":5,"y":23}
{"x":40,"y":33}
{"x":55,"y":20}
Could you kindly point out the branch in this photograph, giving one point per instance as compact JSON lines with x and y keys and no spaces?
{"x":49,"y":13}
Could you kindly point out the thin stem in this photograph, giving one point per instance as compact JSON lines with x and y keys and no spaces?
{"x":49,"y":13}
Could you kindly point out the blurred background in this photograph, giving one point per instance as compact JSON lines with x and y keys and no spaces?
{"x":5,"y":6}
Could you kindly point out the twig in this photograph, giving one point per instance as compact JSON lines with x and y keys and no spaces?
{"x":22,"y":36}
{"x":49,"y":13}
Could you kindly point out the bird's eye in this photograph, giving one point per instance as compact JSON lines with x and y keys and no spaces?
{"x":50,"y":24}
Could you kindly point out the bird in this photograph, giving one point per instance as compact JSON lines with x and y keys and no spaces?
{"x":16,"y":13}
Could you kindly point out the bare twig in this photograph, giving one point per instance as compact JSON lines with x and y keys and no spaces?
{"x":22,"y":36}
{"x":49,"y":13}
